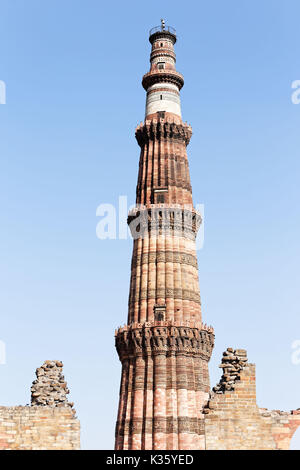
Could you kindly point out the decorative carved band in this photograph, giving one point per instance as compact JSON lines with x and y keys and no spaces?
{"x":167,"y":293}
{"x":190,"y":381}
{"x":162,"y":53}
{"x":162,"y":76}
{"x":171,"y":185}
{"x":163,"y":219}
{"x":161,"y":424}
{"x":184,"y":323}
{"x":166,"y":340}
{"x":157,"y":129}
{"x":175,"y":257}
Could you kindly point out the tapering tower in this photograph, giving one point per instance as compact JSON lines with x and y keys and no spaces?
{"x":164,"y":348}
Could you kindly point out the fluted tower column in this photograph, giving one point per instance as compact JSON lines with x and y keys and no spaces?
{"x":164,"y":348}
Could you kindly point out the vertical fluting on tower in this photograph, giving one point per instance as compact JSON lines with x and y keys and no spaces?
{"x":164,"y":348}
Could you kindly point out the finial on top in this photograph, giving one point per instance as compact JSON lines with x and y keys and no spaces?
{"x":163,"y":24}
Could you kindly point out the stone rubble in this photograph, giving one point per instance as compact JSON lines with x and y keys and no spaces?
{"x":233,"y":362}
{"x":50,"y":387}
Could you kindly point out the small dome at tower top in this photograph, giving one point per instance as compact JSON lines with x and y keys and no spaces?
{"x":162,"y":30}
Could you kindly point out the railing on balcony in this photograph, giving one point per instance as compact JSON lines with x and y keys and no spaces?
{"x":158,"y":29}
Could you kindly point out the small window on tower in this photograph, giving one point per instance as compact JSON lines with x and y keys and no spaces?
{"x":159,"y":312}
{"x":161,"y":97}
{"x":159,"y":195}
{"x":161,"y":65}
{"x":161,"y":44}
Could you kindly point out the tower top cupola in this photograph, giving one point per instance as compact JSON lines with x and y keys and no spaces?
{"x":162,"y":31}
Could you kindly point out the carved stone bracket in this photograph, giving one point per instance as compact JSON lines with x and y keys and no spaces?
{"x":166,"y":340}
{"x":162,"y":76}
{"x":156,"y":129}
{"x":164,"y":219}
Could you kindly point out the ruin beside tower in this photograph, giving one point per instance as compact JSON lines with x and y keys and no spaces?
{"x":50,"y":423}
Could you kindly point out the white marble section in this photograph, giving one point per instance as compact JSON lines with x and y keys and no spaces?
{"x":163,"y":100}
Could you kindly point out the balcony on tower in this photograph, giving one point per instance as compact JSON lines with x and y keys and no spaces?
{"x":162,"y":30}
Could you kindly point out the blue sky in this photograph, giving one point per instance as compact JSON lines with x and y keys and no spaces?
{"x":73,"y":74}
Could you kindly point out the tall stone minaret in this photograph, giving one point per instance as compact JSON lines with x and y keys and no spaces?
{"x":164,"y":348}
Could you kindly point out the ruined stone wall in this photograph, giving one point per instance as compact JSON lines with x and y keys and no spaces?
{"x":233,"y":421}
{"x":49,"y":423}
{"x":38,"y":428}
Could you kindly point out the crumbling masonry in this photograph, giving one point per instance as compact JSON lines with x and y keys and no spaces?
{"x":49,"y":423}
{"x":233,"y":421}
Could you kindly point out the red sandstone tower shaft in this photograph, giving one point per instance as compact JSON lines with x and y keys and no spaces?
{"x":164,"y":348}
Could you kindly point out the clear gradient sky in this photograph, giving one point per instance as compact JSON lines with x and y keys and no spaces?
{"x":73,"y":74}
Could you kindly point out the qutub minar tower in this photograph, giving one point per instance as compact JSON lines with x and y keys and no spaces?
{"x":165,"y":397}
{"x":164,"y":348}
